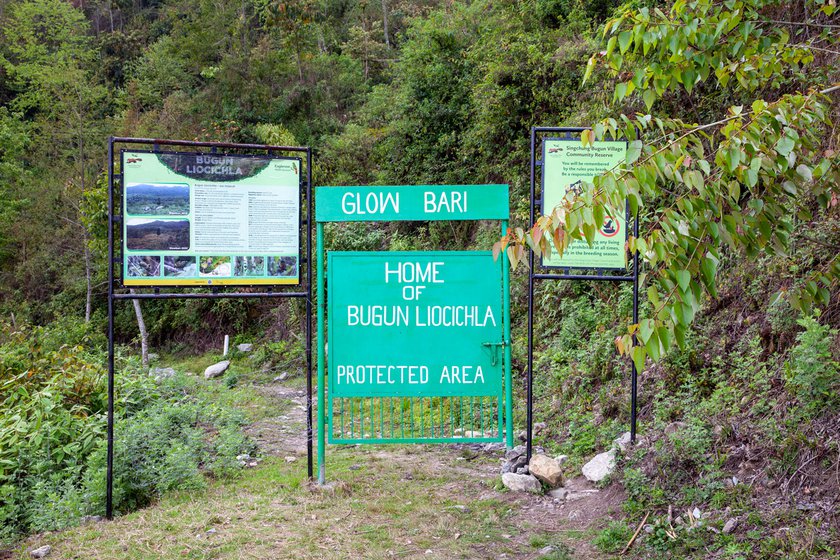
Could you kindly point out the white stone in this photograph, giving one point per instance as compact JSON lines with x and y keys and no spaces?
{"x":559,"y":493}
{"x":622,"y":442}
{"x":561,"y":459}
{"x":600,"y":467}
{"x":245,"y":347}
{"x":216,"y":369}
{"x":730,"y":525}
{"x":546,"y":469}
{"x":40,"y":552}
{"x":521,"y":483}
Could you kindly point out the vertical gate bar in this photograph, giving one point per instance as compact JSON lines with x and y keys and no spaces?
{"x":634,"y":377}
{"x":506,"y":320}
{"x":391,"y":400}
{"x":422,"y":418}
{"x":442,"y":420}
{"x":321,"y":358}
{"x":309,"y":218}
{"x":472,"y":416}
{"x":402,"y":417}
{"x":109,"y":474}
{"x":529,"y":377}
{"x":481,"y":415}
{"x":461,"y":424}
{"x":452,"y":416}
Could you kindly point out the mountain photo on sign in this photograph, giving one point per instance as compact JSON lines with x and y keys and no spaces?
{"x":157,"y":235}
{"x":161,"y":199}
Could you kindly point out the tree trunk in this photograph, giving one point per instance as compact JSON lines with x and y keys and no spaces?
{"x":144,"y":336}
{"x":385,"y":23}
{"x":88,"y":277}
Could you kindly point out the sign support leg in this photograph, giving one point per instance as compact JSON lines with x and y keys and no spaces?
{"x":506,"y":319}
{"x":322,"y":389}
{"x":529,"y":378}
{"x":634,"y":375}
{"x":109,"y":474}
{"x":309,"y":217}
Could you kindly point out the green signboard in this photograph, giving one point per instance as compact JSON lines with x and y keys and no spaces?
{"x":411,"y":203}
{"x":567,"y":163}
{"x":193,"y":219}
{"x":415,"y":324}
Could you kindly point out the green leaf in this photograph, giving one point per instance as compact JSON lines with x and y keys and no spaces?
{"x":653,"y":347}
{"x":634,"y":150}
{"x":590,"y":66}
{"x":646,"y":329}
{"x":805,"y":172}
{"x":649,"y":96}
{"x":653,"y":295}
{"x":639,"y":355}
{"x":785,"y":145}
{"x":624,"y":39}
{"x":683,"y":279}
{"x":709,"y":267}
{"x":732,"y":156}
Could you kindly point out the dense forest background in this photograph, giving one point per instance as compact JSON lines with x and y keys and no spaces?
{"x":398,"y":92}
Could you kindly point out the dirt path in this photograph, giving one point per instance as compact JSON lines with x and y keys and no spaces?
{"x":534,"y":517}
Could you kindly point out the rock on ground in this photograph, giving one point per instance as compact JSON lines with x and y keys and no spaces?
{"x":546,"y":469}
{"x":245,"y":347}
{"x":600,"y":467}
{"x":622,"y":442}
{"x":521,"y":483}
{"x":559,"y":493}
{"x":216,"y":369}
{"x":162,"y":373}
{"x":730,"y":525}
{"x":40,"y":552}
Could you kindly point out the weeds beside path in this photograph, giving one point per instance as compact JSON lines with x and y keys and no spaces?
{"x":436,"y":502}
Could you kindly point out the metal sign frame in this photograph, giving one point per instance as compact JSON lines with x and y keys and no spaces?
{"x":209,"y":284}
{"x":325,"y":214}
{"x":567,"y":273}
{"x":301,"y":290}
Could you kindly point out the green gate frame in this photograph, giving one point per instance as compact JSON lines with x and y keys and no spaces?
{"x":488,"y":202}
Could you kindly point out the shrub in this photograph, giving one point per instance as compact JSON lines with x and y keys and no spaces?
{"x":812,"y":374}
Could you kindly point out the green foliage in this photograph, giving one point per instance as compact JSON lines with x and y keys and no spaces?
{"x":52,"y":431}
{"x":614,"y":537}
{"x":812,"y":373}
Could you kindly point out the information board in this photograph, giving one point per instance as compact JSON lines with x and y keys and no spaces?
{"x":566,"y":164}
{"x":193,"y":219}
{"x":408,"y":324}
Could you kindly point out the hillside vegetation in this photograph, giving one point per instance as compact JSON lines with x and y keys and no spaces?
{"x":731,"y":112}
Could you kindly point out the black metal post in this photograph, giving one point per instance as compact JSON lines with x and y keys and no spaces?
{"x":109,"y":475}
{"x":529,"y":380}
{"x":634,"y":374}
{"x":309,"y":217}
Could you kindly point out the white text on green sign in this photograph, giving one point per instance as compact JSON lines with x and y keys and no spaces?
{"x":414,"y":324}
{"x":411,"y":203}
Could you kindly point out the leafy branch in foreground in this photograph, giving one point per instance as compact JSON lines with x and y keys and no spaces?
{"x":742,"y":183}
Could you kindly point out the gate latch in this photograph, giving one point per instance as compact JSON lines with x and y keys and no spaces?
{"x":494,"y":346}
